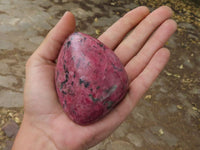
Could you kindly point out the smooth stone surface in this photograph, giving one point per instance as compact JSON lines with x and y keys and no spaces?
{"x":6,"y":45}
{"x":119,"y":145}
{"x":135,"y":139}
{"x":90,"y":79}
{"x":10,"y":98}
{"x":8,"y":81}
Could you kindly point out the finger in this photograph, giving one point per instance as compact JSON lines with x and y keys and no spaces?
{"x":135,"y":41}
{"x":142,"y":83}
{"x":137,"y":88}
{"x":113,"y":35}
{"x":158,"y":39}
{"x":49,"y":49}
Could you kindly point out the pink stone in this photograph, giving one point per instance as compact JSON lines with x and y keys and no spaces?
{"x":90,"y":79}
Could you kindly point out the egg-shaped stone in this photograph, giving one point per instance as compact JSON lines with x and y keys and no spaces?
{"x":90,"y":79}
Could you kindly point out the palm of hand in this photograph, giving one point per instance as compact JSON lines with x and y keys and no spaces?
{"x":141,"y":53}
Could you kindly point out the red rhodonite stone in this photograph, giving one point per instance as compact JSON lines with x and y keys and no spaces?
{"x":90,"y":79}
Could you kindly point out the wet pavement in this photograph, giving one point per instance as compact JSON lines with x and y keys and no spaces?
{"x":167,"y":117}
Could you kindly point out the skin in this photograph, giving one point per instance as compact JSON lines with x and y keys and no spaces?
{"x":46,"y":126}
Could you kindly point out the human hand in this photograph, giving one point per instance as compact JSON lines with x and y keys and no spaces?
{"x":46,"y":126}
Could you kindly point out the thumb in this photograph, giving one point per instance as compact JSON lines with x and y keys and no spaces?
{"x":50,"y":47}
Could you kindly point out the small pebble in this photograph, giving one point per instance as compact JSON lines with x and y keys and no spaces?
{"x":10,"y":128}
{"x":194,"y":108}
{"x":161,"y":132}
{"x":97,"y":31}
{"x":179,"y":106}
{"x":17,"y":120}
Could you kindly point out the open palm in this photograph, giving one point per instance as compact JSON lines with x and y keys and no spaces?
{"x":141,"y":53}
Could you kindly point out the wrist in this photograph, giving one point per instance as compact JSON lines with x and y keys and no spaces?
{"x":31,"y":138}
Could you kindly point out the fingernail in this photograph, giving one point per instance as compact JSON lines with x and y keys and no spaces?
{"x":66,"y":13}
